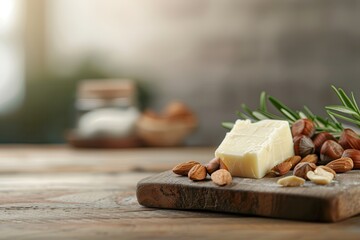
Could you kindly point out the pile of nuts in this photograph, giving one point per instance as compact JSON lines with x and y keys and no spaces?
{"x":198,"y":172}
{"x":318,"y":157}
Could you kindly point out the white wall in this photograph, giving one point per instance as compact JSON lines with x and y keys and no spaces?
{"x":214,"y":55}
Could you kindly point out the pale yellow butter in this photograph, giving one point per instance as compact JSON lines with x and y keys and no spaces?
{"x":253,"y":149}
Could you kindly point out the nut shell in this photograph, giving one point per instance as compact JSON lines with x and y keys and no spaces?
{"x":349,"y":139}
{"x":354,"y":154}
{"x":303,"y":145}
{"x":330,"y":150}
{"x":302,"y":168}
{"x":303,"y":127}
{"x":319,"y":140}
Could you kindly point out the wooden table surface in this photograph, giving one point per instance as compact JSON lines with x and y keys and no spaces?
{"x":55,"y":192}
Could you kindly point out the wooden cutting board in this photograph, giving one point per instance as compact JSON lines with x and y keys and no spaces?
{"x":263,"y":197}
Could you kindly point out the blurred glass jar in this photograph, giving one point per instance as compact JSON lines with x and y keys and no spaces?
{"x":107,"y":108}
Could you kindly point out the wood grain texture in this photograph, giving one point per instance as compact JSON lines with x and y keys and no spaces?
{"x":53,"y":192}
{"x":104,"y":206}
{"x":60,"y":158}
{"x":262,"y":197}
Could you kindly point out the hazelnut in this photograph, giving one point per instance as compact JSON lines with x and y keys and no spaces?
{"x":303,"y":145}
{"x":213,"y":165}
{"x":320,"y":138}
{"x":303,"y":127}
{"x":330,"y":150}
{"x":302,"y":168}
{"x":354,"y":154}
{"x":349,"y":139}
{"x":221,"y":177}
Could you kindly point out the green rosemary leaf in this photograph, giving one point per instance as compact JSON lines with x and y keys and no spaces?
{"x":271,"y":115}
{"x":249,"y":112}
{"x":348,"y":111}
{"x":227,"y":125}
{"x":279,"y":106}
{"x":302,"y":115}
{"x":357,"y":122}
{"x":332,"y":117}
{"x":259,"y":115}
{"x":344,"y":98}
{"x":355,"y":103}
{"x":338,"y":94}
{"x":309,"y":112}
{"x":322,"y":122}
{"x":263,"y":97}
{"x":341,"y":109}
{"x":242,"y":115}
{"x":288,"y":115}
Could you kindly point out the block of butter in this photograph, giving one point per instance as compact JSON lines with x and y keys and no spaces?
{"x":253,"y":149}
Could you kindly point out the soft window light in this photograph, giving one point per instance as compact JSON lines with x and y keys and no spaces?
{"x":11,"y":56}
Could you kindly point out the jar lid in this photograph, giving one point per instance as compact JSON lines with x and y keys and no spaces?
{"x":106,"y":89}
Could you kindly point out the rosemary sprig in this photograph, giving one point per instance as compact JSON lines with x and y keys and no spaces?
{"x":348,"y":111}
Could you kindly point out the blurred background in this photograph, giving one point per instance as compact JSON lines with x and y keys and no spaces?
{"x":209,"y":55}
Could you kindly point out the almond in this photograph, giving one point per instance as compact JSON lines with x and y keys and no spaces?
{"x":294,"y":160}
{"x":341,"y":165}
{"x":311,"y":158}
{"x":197,"y":173}
{"x":291,"y":181}
{"x":221,"y":177}
{"x":184,"y":168}
{"x":282,"y":168}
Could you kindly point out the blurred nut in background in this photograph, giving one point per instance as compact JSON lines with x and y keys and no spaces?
{"x":169,"y":128}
